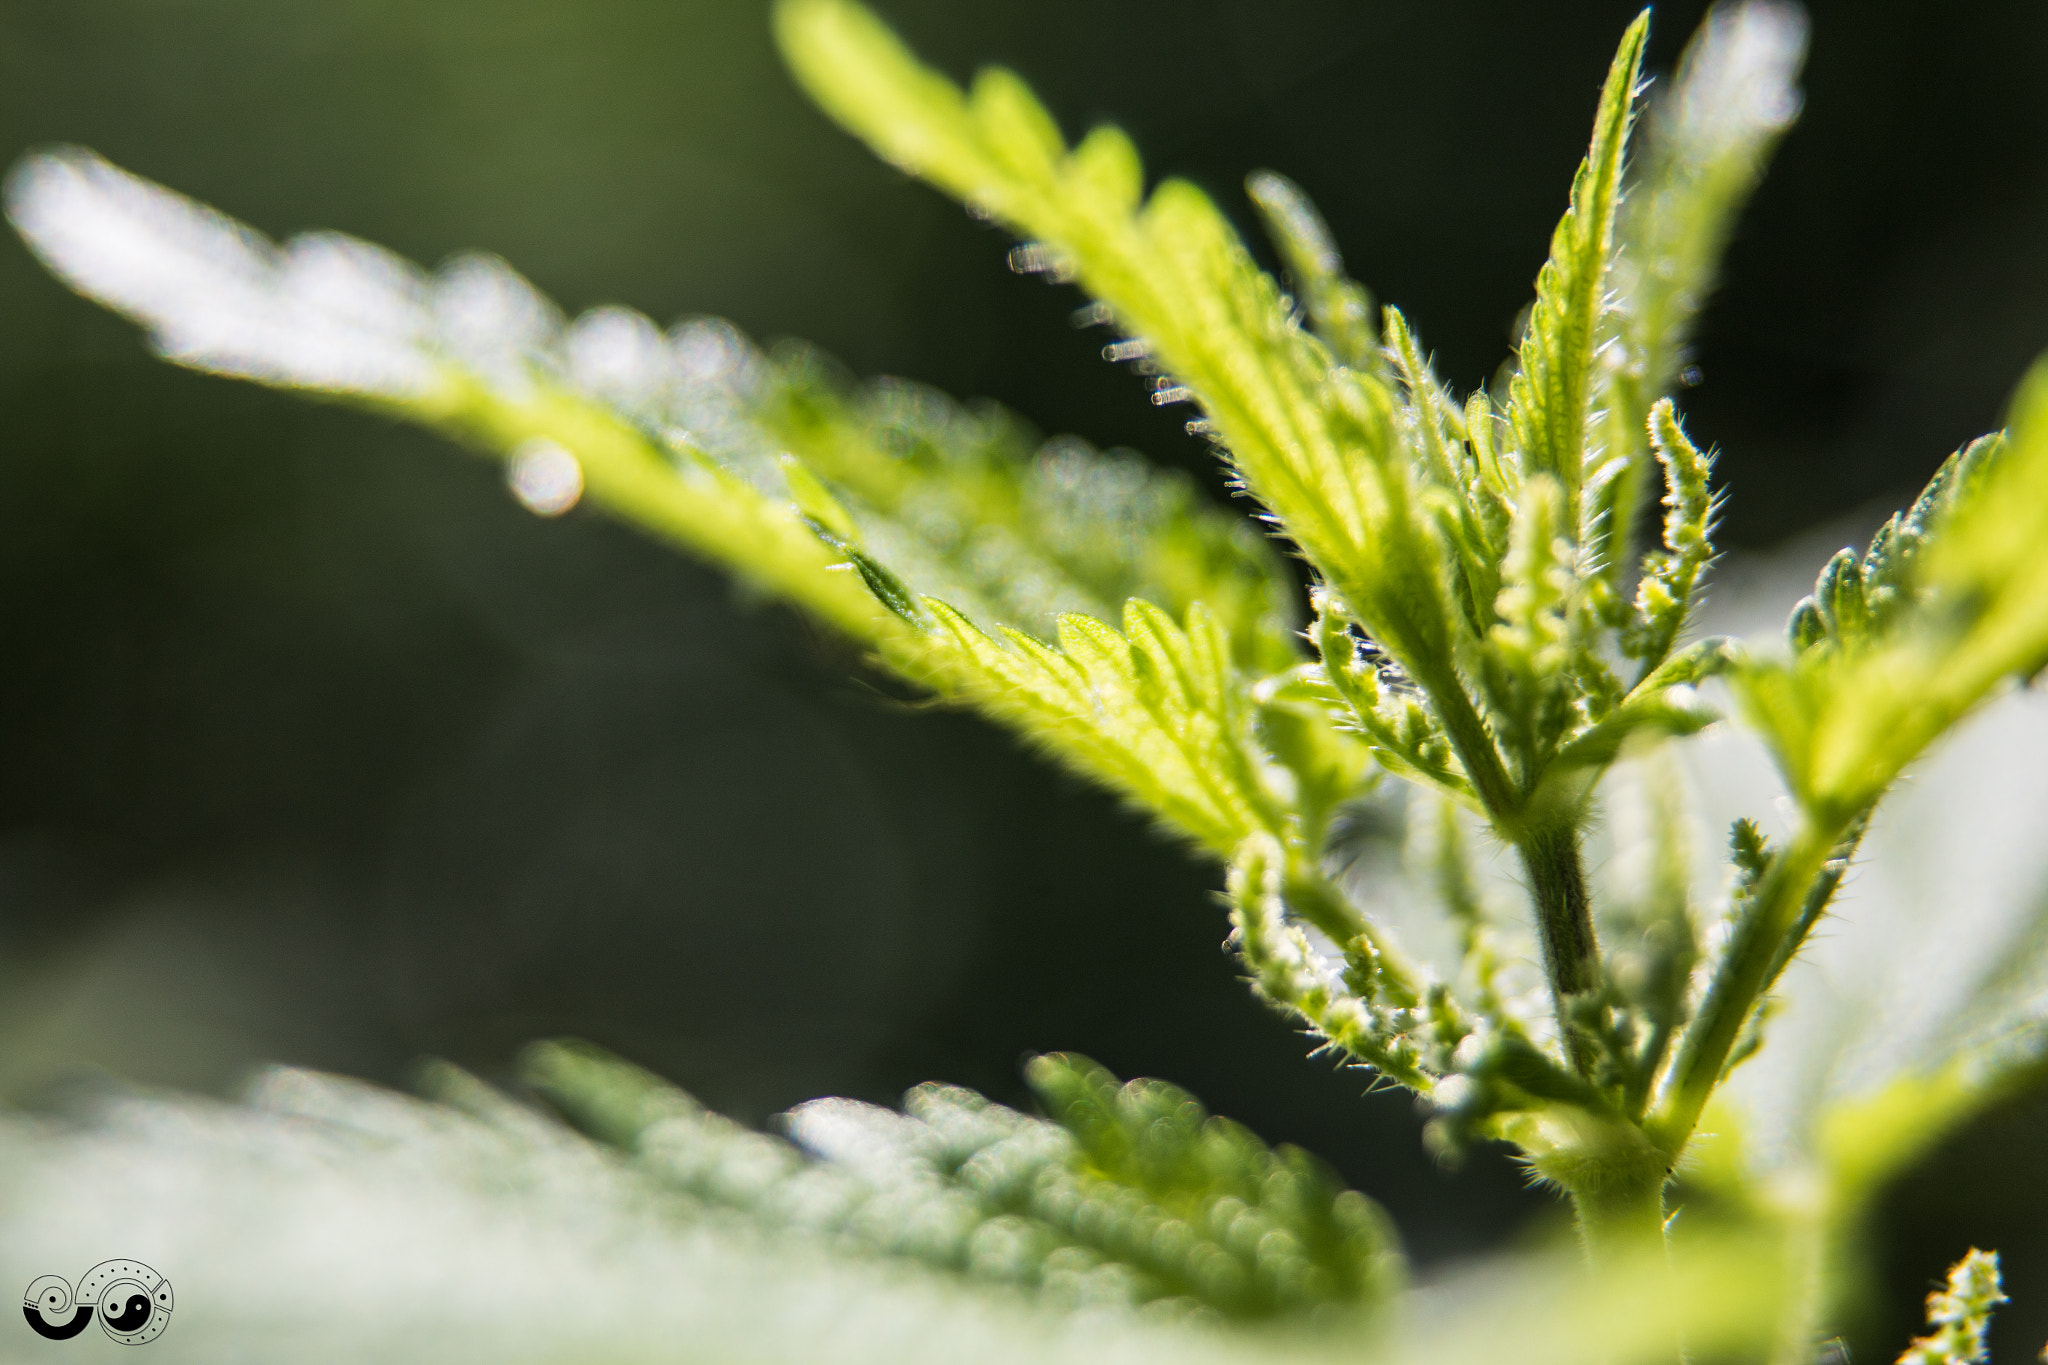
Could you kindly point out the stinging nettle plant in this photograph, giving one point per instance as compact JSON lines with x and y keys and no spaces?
{"x":1500,"y":620}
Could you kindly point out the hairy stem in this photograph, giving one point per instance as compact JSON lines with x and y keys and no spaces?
{"x":1818,"y":895}
{"x":1790,"y":898}
{"x":1623,"y":1227}
{"x":1469,"y":739}
{"x":1564,"y":918}
{"x":1623,"y":1219}
{"x":1550,"y":855}
{"x":1614,"y":1175}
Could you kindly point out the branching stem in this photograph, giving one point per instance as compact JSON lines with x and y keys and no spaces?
{"x":1786,"y":904}
{"x":1469,"y":739}
{"x":1550,"y":855}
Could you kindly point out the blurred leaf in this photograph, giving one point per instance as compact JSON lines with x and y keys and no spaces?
{"x":850,"y":506}
{"x":1131,"y":1195}
{"x":325,"y":1220}
{"x":1705,"y":143}
{"x":329,"y":1221}
{"x":971,"y":507}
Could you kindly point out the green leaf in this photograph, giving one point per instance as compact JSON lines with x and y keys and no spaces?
{"x":1159,"y":716}
{"x":1950,"y":606}
{"x":1550,"y":395}
{"x":856,"y":505}
{"x":1338,"y":306}
{"x":1315,"y":441}
{"x":972,"y":507}
{"x":1130,"y":1194}
{"x":1705,"y":143}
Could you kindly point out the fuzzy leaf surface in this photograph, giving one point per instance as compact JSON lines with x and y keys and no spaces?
{"x":1549,"y":398}
{"x":1130,"y":1194}
{"x":855,"y":505}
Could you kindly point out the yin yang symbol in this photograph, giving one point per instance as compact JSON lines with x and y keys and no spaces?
{"x":132,"y":1302}
{"x":47,"y":1305}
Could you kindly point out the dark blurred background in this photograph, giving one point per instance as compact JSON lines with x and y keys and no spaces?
{"x":314,"y":747}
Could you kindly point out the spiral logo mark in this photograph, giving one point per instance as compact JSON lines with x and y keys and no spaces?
{"x":132,"y":1302}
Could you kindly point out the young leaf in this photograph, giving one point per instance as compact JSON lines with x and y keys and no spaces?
{"x":1338,"y":306}
{"x":1705,"y":143}
{"x":1549,"y":397}
{"x":1664,"y":596}
{"x":1383,"y":704}
{"x":1960,"y":1314}
{"x":1313,"y":440}
{"x":1385,"y":1034}
{"x":1962,"y":610}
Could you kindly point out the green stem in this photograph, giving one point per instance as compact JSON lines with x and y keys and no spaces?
{"x":1621,"y":1217}
{"x":1621,"y":1225}
{"x":1763,"y":941}
{"x":1470,"y":741}
{"x":1550,"y":855}
{"x":1613,"y":1173}
{"x":1564,"y":919}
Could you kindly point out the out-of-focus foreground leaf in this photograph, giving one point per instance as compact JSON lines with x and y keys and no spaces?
{"x":325,"y":1220}
{"x":1132,"y":1194}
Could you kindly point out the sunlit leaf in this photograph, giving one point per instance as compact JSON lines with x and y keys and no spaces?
{"x":914,"y":527}
{"x":326,"y":1220}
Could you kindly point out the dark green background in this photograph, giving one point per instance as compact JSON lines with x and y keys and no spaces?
{"x":314,"y":747}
